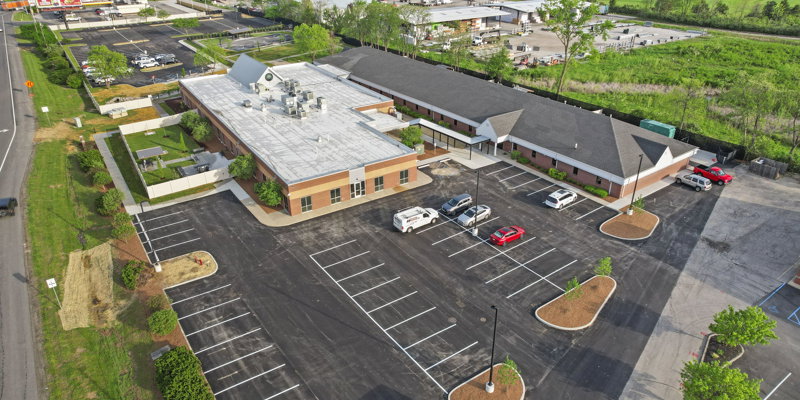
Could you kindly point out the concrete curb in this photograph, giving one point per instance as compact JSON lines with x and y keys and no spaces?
{"x":708,"y":342}
{"x":614,"y":289}
{"x":522,"y":381}
{"x":195,"y":279}
{"x":658,"y":222}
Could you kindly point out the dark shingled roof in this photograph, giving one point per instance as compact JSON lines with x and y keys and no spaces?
{"x":610,"y":145}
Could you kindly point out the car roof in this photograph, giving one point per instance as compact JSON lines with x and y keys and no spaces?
{"x":561,"y":192}
{"x":461,"y":196}
{"x":6,"y":201}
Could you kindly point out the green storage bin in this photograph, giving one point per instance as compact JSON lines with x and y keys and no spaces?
{"x":658,"y":127}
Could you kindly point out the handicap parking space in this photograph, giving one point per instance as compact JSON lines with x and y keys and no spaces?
{"x":783,"y":303}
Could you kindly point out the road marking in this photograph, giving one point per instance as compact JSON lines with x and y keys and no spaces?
{"x":233,"y":361}
{"x":226,"y":341}
{"x":513,"y":176}
{"x":542,"y":278}
{"x":346,"y":259}
{"x":451,"y":356}
{"x":170,"y":246}
{"x":447,"y":219}
{"x":374,"y":287}
{"x":518,"y":186}
{"x":426,"y":338}
{"x":463,"y":230}
{"x":573,"y":204}
{"x":391,"y":302}
{"x":500,"y":254}
{"x":772,"y":294}
{"x":10,"y":95}
{"x":198,"y":295}
{"x":164,"y":226}
{"x":282,"y":392}
{"x":545,"y":188}
{"x":218,"y":323}
{"x":166,"y":236}
{"x":467,"y":248}
{"x":589,"y":213}
{"x":331,"y":248}
{"x":779,"y":385}
{"x":519,"y":266}
{"x":502,"y":169}
{"x":409,"y":319}
{"x":249,"y":379}
{"x":359,"y":273}
{"x":209,"y":308}
{"x":155,"y":218}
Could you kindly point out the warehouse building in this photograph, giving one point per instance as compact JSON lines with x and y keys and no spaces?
{"x":321,"y":137}
{"x":591,"y":148}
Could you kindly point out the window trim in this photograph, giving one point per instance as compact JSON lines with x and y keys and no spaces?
{"x":406,"y":177}
{"x":309,"y":205}
{"x":375,"y":183}
{"x":338,"y":197}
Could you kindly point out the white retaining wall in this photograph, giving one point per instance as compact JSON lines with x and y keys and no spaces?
{"x":125,"y":21}
{"x":177,"y":185}
{"x":127,"y":105}
{"x":150,"y":124}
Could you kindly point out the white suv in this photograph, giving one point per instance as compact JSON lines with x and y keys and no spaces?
{"x":149,"y":62}
{"x":560,"y":198}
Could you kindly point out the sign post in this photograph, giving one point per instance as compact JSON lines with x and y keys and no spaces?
{"x":46,"y":110}
{"x":51,"y":284}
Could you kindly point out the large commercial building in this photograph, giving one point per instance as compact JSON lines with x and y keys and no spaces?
{"x":318,"y":135}
{"x":591,"y":148}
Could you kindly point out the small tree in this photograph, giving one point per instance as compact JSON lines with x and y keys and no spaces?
{"x":573,"y":290}
{"x":185,"y":24}
{"x":243,"y":167}
{"x":209,"y":54}
{"x":202,"y":132}
{"x":743,"y":327}
{"x":411,"y":136}
{"x":638,"y":204}
{"x":101,"y":178}
{"x":109,"y":202}
{"x":146,"y":12}
{"x":162,"y":322}
{"x":311,"y":39}
{"x":130,"y":274}
{"x":269,"y":192}
{"x":122,"y":226}
{"x":190,"y":119}
{"x":162,"y":14}
{"x":508,"y":373}
{"x":603,"y":267}
{"x":179,"y":376}
{"x":91,"y":160}
{"x":75,"y":80}
{"x":704,"y":381}
{"x":108,"y":63}
{"x":499,"y":65}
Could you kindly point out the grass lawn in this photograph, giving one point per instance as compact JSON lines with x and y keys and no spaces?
{"x":108,"y":363}
{"x":21,"y":16}
{"x":169,"y":138}
{"x":275,"y":52}
{"x":126,"y":167}
{"x":63,"y":102}
{"x":17,"y":32}
{"x":160,"y":175}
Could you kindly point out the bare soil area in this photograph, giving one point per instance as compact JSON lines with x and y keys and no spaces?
{"x":181,"y":269}
{"x":639,"y":225}
{"x":88,"y":289}
{"x":475,"y":389}
{"x":123,"y":90}
{"x":579,"y":312}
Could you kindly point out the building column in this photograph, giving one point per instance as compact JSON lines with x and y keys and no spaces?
{"x":495,"y":148}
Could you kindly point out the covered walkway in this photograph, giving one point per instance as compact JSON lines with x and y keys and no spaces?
{"x":444,"y":137}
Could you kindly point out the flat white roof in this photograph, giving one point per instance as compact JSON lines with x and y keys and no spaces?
{"x":461,"y":13}
{"x":335,"y":140}
{"x":524,"y":6}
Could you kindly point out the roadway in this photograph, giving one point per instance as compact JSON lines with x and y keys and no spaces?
{"x":19,"y":370}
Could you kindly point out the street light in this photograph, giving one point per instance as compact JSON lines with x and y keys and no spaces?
{"x":490,"y":384}
{"x":477,"y":185}
{"x":635,"y":183}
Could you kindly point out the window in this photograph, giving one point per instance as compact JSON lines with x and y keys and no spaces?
{"x":553,"y":161}
{"x":305,"y":204}
{"x":598,"y":181}
{"x":358,"y":189}
{"x":336,"y":195}
{"x":574,"y":170}
{"x":404,"y":176}
{"x":533,"y":153}
{"x":379,"y":184}
{"x":513,"y":146}
{"x":455,"y":124}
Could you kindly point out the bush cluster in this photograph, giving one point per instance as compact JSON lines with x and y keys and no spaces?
{"x":109,"y":202}
{"x":130,"y":274}
{"x":59,"y":69}
{"x":101,"y":178}
{"x":515,"y":154}
{"x":523,"y":160}
{"x":556,"y":174}
{"x":162,"y":322}
{"x":158,"y":302}
{"x":596,"y":191}
{"x":269,"y":192}
{"x":179,"y":377}
{"x":243,"y":167}
{"x":122,"y":227}
{"x":199,"y":127}
{"x":91,"y":160}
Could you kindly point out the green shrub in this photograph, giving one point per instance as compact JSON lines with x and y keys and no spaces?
{"x":75,"y":80}
{"x":109,"y":202}
{"x":243,"y":167}
{"x":523,"y":160}
{"x":444,"y":124}
{"x":60,"y":76}
{"x":556,"y":174}
{"x":57,"y":62}
{"x":411,"y":136}
{"x":596,"y":191}
{"x":603,"y":267}
{"x":508,"y":373}
{"x":515,"y":154}
{"x":190,"y":119}
{"x":162,"y":322}
{"x":573,"y":290}
{"x":202,"y":132}
{"x":130,"y":274}
{"x":179,"y":377}
{"x":123,"y":231}
{"x":269,"y":192}
{"x":158,"y":302}
{"x":101,"y":178}
{"x":91,"y":160}
{"x":638,"y":204}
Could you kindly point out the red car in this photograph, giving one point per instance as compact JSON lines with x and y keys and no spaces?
{"x":506,"y":234}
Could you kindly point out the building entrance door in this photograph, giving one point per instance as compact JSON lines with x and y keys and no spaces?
{"x":357,"y":189}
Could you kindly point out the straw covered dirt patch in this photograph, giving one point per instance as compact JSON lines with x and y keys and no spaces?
{"x":639,"y":225}
{"x":475,"y":388}
{"x":198,"y":264}
{"x":442,"y":168}
{"x":579,"y":312}
{"x":88,"y":294}
{"x":123,"y":90}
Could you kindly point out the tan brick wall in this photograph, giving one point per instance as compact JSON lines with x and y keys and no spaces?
{"x":655,"y":177}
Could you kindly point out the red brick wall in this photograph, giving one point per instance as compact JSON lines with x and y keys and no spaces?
{"x":653,"y":178}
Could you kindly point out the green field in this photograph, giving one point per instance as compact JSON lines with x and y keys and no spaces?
{"x":275,"y":52}
{"x":85,"y":363}
{"x":168,"y":138}
{"x":63,"y":102}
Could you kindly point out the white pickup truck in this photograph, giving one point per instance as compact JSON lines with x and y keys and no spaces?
{"x":412,"y":218}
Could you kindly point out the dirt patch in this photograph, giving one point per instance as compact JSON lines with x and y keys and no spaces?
{"x":88,"y":289}
{"x":578,"y":313}
{"x":716,"y":351}
{"x":639,"y":225}
{"x":195,"y":265}
{"x":443,"y":169}
{"x":123,"y":90}
{"x":475,"y":389}
{"x":431,"y":151}
{"x":61,"y":130}
{"x":140,"y":114}
{"x":178,"y":107}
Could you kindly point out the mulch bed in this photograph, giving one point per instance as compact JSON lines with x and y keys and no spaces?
{"x":725,"y":353}
{"x":639,"y":225}
{"x":249,"y":187}
{"x":475,"y":389}
{"x":578,"y":313}
{"x":177,"y":105}
{"x":431,"y":151}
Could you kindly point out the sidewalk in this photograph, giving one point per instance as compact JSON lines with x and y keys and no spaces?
{"x":644,"y":192}
{"x":113,"y":170}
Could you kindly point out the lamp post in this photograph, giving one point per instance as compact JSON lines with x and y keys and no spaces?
{"x":635,"y":183}
{"x":477,"y":186}
{"x":490,"y":384}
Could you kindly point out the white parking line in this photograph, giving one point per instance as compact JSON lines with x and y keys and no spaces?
{"x":226,"y":341}
{"x":346,"y":259}
{"x":589,"y":213}
{"x":446,"y":220}
{"x":451,"y":356}
{"x":164,"y":226}
{"x":170,"y":246}
{"x":518,"y":186}
{"x":217,"y":324}
{"x":467,"y":248}
{"x":249,"y":379}
{"x":240,"y":358}
{"x":545,"y":188}
{"x":359,"y":273}
{"x":331,"y":248}
{"x":209,"y":308}
{"x":198,"y":295}
{"x":503,"y":169}
{"x":513,"y":176}
{"x":501,"y":253}
{"x":463,"y":230}
{"x":427,"y":337}
{"x":575,"y":203}
{"x":391,"y":302}
{"x":171,"y":234}
{"x":282,"y":392}
{"x":542,"y":278}
{"x":155,"y":218}
{"x":410,"y":318}
{"x":519,"y":266}
{"x":374,"y":287}
{"x":779,"y":385}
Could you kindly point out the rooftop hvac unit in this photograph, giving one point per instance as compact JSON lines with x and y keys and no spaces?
{"x":291,"y":110}
{"x":303,"y":114}
{"x":289,"y":100}
{"x":247,"y":103}
{"x":308,"y":95}
{"x":321,"y":103}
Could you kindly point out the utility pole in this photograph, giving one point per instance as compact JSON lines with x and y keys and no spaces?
{"x":635,"y":183}
{"x":490,"y":384}
{"x":477,"y":186}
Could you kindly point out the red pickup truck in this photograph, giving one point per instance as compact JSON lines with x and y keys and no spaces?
{"x":715,"y":174}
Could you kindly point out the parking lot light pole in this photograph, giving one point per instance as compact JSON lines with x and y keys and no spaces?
{"x":490,"y":384}
{"x":477,"y":186}
{"x":635,"y":183}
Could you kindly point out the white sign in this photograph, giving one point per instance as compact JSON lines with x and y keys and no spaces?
{"x":45,"y":109}
{"x":51,"y":283}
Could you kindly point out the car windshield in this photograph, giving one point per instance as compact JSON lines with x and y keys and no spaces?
{"x":469,"y":213}
{"x":452,"y":202}
{"x":719,"y":172}
{"x":552,"y":199}
{"x":498,"y":234}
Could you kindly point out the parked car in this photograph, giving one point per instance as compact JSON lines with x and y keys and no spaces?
{"x":135,"y":60}
{"x":457,"y":204}
{"x":165,"y":59}
{"x":560,"y":198}
{"x":148,"y":63}
{"x":694,"y":180}
{"x":89,"y":71}
{"x":716,"y":174}
{"x":412,"y":218}
{"x":99,"y":80}
{"x":474,"y":214}
{"x":506,"y":234}
{"x":477,"y":40}
{"x":72,"y":17}
{"x":7,"y":206}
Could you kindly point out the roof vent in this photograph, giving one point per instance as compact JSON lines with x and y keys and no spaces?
{"x":289,"y":100}
{"x":308,"y":95}
{"x":303,"y":114}
{"x":291,"y":110}
{"x":576,"y":145}
{"x":321,"y":104}
{"x":253,"y":88}
{"x":247,"y":103}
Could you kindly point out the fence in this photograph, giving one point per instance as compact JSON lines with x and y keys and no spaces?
{"x":123,"y":21}
{"x":150,"y":124}
{"x":768,"y":168}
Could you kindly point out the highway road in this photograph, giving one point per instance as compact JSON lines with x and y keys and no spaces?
{"x":19,"y":371}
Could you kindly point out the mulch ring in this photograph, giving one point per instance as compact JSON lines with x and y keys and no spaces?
{"x":637,"y":226}
{"x":578,"y":313}
{"x":716,"y":351}
{"x":475,"y":388}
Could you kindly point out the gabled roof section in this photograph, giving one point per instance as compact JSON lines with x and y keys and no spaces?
{"x":247,"y":70}
{"x":503,"y":124}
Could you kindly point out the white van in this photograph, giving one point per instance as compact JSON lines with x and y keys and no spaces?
{"x":411,"y":218}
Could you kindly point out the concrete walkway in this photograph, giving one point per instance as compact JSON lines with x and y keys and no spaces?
{"x":113,"y":170}
{"x":644,"y":192}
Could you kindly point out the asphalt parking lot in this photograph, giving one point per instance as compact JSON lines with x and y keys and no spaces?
{"x":361,"y":311}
